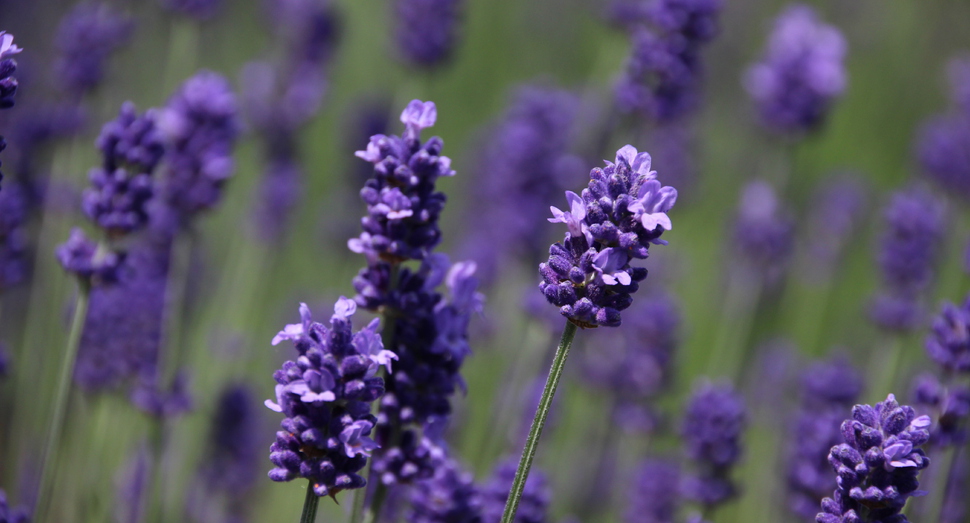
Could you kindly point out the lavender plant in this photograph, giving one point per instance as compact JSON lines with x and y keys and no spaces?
{"x":86,"y":38}
{"x":713,"y":422}
{"x":427,"y":30}
{"x":8,"y":84}
{"x":877,"y":465}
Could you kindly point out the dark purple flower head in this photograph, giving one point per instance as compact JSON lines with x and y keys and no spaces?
{"x":828,"y":389}
{"x":660,"y":78}
{"x":403,"y":205}
{"x":950,"y":405}
{"x":234,"y":446}
{"x":199,"y":9}
{"x":8,"y":66}
{"x":801,"y":73}
{"x":87,"y":260}
{"x":533,"y":505}
{"x":618,"y":216}
{"x":121,"y":188}
{"x":763,"y":233}
{"x":655,"y":494}
{"x":712,"y":427}
{"x":524,"y":164}
{"x":943,"y":149}
{"x":326,"y":395}
{"x":915,"y":225}
{"x":695,"y":20}
{"x":13,"y":236}
{"x":87,"y":36}
{"x":427,"y":30}
{"x":12,"y":515}
{"x":450,"y":496}
{"x":877,"y":465}
{"x":949,"y":343}
{"x":412,"y":459}
{"x":200,"y":125}
{"x":123,"y":327}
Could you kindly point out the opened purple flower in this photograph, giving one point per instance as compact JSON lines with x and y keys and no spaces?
{"x":618,"y":216}
{"x":878,"y":464}
{"x":326,"y":395}
{"x":8,"y":66}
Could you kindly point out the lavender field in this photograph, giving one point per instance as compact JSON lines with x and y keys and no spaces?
{"x":484,"y":261}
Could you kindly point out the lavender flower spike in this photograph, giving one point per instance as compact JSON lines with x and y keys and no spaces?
{"x":426,"y":30}
{"x":877,"y":465}
{"x":623,"y":210}
{"x":801,"y":74}
{"x":86,"y":37}
{"x":326,"y":395}
{"x":949,"y":343}
{"x":712,"y":428}
{"x":8,"y":66}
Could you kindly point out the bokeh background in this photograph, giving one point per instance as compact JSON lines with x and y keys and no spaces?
{"x":243,"y":289}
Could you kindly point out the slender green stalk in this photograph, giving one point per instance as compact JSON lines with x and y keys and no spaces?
{"x":310,"y":503}
{"x":60,"y":401}
{"x":885,"y":363}
{"x":734,"y":327}
{"x":357,"y":512}
{"x":542,"y":412}
{"x":938,"y":498}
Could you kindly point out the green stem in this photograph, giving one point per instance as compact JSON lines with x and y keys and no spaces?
{"x":734,"y":327}
{"x":885,"y":362}
{"x":542,"y":412}
{"x":61,"y":400}
{"x":310,"y":503}
{"x":950,"y":456}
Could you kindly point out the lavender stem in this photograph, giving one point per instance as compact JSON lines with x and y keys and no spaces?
{"x":310,"y":503}
{"x":542,"y":412}
{"x":60,"y":401}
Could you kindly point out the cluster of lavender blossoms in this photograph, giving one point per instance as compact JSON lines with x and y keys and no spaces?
{"x":427,"y":30}
{"x":828,"y":390}
{"x":533,"y":505}
{"x":910,"y":247}
{"x":942,"y":394}
{"x":8,"y":84}
{"x":623,"y":210}
{"x":427,"y":331}
{"x":801,"y":73}
{"x":877,"y":465}
{"x":326,"y":395}
{"x":450,"y":496}
{"x":12,"y":515}
{"x":14,"y":207}
{"x":713,"y":423}
{"x":662,"y":74}
{"x":200,"y":125}
{"x":86,"y":38}
{"x":655,"y":495}
{"x":117,"y":200}
{"x":943,"y":143}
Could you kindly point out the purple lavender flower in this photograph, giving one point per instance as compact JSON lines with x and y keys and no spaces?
{"x":714,"y":420}
{"x":450,"y":496}
{"x":200,"y":125}
{"x":523,"y":165}
{"x":199,"y":9}
{"x":949,"y":343}
{"x":943,"y":148}
{"x":123,"y":328}
{"x":910,"y":247}
{"x":618,"y":216}
{"x":411,"y":459}
{"x":877,"y":465}
{"x":695,"y":20}
{"x":660,"y":79}
{"x":655,"y":494}
{"x":827,"y":390}
{"x":326,"y":396}
{"x":403,"y":206}
{"x":13,"y":236}
{"x":426,"y":30}
{"x":801,"y":73}
{"x":533,"y":505}
{"x":8,"y":66}
{"x":163,"y":401}
{"x":959,"y":72}
{"x":763,"y":232}
{"x":87,"y":36}
{"x":121,"y":188}
{"x":12,"y":515}
{"x":949,"y":404}
{"x":87,"y":260}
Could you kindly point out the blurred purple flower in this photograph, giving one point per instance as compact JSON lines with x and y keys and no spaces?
{"x":86,"y":260}
{"x":655,"y":494}
{"x":86,"y":37}
{"x":763,"y":231}
{"x":837,"y":212}
{"x":714,"y":420}
{"x":427,"y":30}
{"x":450,"y":496}
{"x":660,"y":79}
{"x":13,"y":236}
{"x":533,"y":505}
{"x":943,"y":149}
{"x":801,"y":73}
{"x":950,"y":405}
{"x":695,"y":20}
{"x":12,"y":515}
{"x":199,"y":9}
{"x":8,"y":66}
